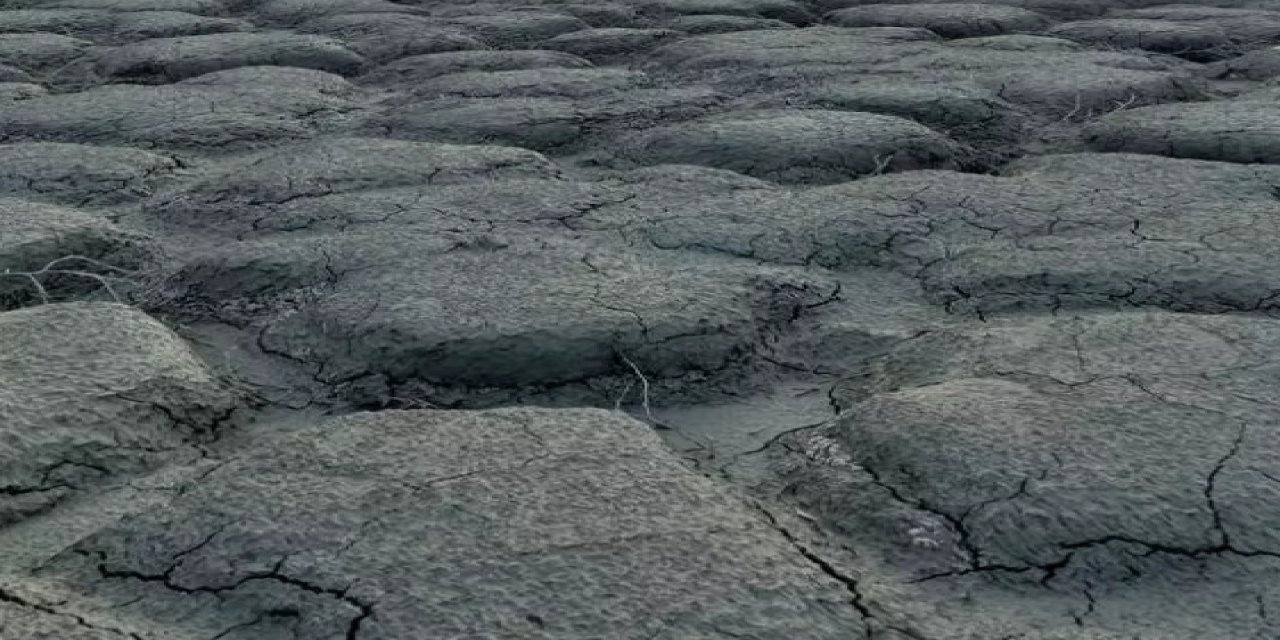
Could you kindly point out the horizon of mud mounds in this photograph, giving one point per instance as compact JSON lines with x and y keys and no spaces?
{"x":650,"y":319}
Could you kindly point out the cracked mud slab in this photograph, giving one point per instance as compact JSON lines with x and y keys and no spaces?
{"x":1048,"y":460}
{"x":933,"y":320}
{"x":92,"y":391}
{"x":516,"y":517}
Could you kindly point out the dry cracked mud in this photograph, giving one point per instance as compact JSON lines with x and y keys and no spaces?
{"x":639,"y":319}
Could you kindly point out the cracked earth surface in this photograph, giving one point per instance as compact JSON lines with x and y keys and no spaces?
{"x":643,"y":319}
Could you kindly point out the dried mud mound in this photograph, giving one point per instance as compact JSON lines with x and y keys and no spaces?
{"x":651,"y":319}
{"x":533,"y":517}
{"x":1178,"y":38}
{"x":82,"y":174}
{"x":796,"y":146}
{"x":166,"y":60}
{"x":1238,"y":131}
{"x":947,"y":20}
{"x":1047,"y":460}
{"x":171,"y":116}
{"x":91,"y":391}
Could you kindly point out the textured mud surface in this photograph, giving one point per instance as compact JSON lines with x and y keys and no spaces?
{"x":644,"y":319}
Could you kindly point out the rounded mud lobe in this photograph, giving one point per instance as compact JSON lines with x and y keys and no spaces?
{"x":182,"y":117}
{"x":518,"y":29}
{"x":644,"y":526}
{"x":601,"y":45}
{"x":651,"y":319}
{"x":37,"y":52}
{"x":93,"y":391}
{"x":949,"y":20}
{"x":967,"y":387}
{"x":1061,"y":10}
{"x":1259,"y":65}
{"x":246,"y":189}
{"x":383,"y":37}
{"x":706,"y":24}
{"x":414,"y":70}
{"x":532,"y":83}
{"x":166,"y":60}
{"x":802,"y":147}
{"x":81,"y":174}
{"x":785,"y":10}
{"x":1188,"y":40}
{"x":1232,"y":131}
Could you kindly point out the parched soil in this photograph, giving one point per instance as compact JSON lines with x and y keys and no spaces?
{"x":639,"y":319}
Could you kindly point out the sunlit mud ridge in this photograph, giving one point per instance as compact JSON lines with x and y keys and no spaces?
{"x":639,"y":320}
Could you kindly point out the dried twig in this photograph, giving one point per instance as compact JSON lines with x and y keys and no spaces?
{"x":617,"y":405}
{"x":644,"y":388}
{"x":409,"y":403}
{"x":35,"y":282}
{"x":1074,"y":110}
{"x":1121,"y":106}
{"x":97,"y":263}
{"x":51,"y":269}
{"x":882,"y":164}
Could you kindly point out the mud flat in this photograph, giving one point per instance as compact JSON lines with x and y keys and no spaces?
{"x":639,"y":319}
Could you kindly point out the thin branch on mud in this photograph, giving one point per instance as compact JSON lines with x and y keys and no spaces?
{"x":1074,"y":110}
{"x":644,"y":388}
{"x":409,"y":403}
{"x":882,"y":164}
{"x":51,"y":269}
{"x":35,"y":283}
{"x":1121,"y":106}
{"x":617,"y":405}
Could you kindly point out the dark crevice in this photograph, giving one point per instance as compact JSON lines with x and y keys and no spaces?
{"x":973,"y":555}
{"x":1153,"y":548}
{"x":166,"y":579}
{"x":14,"y":599}
{"x":850,"y":584}
{"x":1211,"y":484}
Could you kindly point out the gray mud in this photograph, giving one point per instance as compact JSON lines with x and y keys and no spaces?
{"x":639,"y":319}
